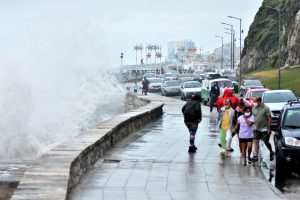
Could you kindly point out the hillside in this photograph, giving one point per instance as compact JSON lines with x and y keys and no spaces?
{"x":261,"y":43}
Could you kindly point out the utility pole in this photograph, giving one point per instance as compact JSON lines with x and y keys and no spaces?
{"x":222,"y":50}
{"x":240,"y":81}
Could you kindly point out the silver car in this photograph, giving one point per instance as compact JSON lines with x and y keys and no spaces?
{"x":171,"y":87}
{"x":275,"y":100}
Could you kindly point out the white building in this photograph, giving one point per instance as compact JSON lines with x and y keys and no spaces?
{"x":180,"y":48}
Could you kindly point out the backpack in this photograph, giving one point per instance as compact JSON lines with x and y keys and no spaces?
{"x":190,"y":110}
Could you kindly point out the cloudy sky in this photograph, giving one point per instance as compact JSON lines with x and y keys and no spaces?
{"x":114,"y":26}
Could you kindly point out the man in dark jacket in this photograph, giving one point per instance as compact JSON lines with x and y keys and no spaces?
{"x":192,"y":117}
{"x":214,"y":94}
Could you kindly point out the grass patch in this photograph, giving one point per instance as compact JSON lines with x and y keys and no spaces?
{"x":290,"y":79}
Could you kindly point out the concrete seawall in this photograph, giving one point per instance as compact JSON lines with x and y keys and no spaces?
{"x":54,"y":174}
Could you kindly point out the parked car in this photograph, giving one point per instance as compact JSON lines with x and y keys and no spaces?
{"x":154,"y":85}
{"x":276,"y":99}
{"x":186,"y":78}
{"x":254,"y":93}
{"x":190,"y":88}
{"x":171,"y":87}
{"x":149,"y":75}
{"x":287,"y":140}
{"x":249,"y":84}
{"x":212,"y":75}
{"x":169,"y":75}
{"x":198,"y":75}
{"x":207,"y":84}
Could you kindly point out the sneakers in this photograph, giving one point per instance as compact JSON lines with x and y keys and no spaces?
{"x":244,"y":162}
{"x":192,"y":149}
{"x":254,"y":159}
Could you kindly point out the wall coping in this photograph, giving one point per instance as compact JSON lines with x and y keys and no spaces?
{"x":54,"y":174}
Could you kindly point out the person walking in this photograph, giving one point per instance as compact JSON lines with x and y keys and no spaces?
{"x":239,"y":111}
{"x":192,"y":117}
{"x":245,"y":125}
{"x":226,"y":123}
{"x":214,"y":94}
{"x":222,"y":89}
{"x":135,"y":88}
{"x":145,"y":84}
{"x":262,"y":126}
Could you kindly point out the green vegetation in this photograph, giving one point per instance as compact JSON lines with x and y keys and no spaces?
{"x":263,"y":33}
{"x":269,"y":77}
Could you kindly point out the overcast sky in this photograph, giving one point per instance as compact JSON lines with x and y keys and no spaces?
{"x":116,"y":26}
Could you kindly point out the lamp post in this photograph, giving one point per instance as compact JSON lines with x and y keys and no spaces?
{"x":222,"y":50}
{"x":231,"y":45}
{"x":240,"y":82}
{"x":279,"y":43}
{"x":232,"y":32}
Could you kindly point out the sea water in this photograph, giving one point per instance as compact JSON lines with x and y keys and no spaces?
{"x":57,"y":85}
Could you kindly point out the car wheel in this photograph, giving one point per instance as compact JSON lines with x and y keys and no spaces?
{"x":281,"y":169}
{"x":167,"y":95}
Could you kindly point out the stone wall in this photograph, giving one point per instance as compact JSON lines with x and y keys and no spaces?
{"x":53,"y":175}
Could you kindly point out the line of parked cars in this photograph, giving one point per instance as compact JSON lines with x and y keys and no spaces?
{"x":285,"y":113}
{"x":283,"y":104}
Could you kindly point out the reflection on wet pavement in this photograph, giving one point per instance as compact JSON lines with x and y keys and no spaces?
{"x":290,"y":186}
{"x":153,"y":163}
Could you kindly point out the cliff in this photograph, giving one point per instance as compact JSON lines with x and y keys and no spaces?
{"x":261,"y":43}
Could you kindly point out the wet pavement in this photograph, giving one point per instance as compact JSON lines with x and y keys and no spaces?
{"x":153,"y":163}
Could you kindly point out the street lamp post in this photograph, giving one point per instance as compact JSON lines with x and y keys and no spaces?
{"x":231,"y":44}
{"x":222,"y":50}
{"x":279,"y":43}
{"x":240,"y":82}
{"x":232,"y":32}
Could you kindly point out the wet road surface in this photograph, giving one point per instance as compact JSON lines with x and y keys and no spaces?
{"x":153,"y":163}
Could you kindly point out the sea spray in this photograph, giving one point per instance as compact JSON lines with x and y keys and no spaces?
{"x":58,"y":86}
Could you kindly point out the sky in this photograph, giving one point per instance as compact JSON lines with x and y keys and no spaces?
{"x":115,"y":26}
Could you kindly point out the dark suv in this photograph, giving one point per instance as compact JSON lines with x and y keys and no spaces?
{"x":287,"y":140}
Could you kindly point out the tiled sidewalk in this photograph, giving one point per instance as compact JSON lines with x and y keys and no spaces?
{"x":153,"y":163}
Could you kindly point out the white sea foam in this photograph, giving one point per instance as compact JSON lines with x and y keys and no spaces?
{"x":58,"y":86}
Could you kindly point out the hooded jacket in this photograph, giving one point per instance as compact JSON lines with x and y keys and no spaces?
{"x":192,"y":111}
{"x":228,"y":94}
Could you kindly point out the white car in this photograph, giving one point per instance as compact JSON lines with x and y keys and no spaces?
{"x":275,"y":100}
{"x":190,"y":88}
{"x":154,"y":84}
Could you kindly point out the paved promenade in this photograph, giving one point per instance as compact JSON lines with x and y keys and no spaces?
{"x":153,"y":163}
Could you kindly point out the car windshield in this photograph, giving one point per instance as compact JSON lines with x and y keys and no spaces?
{"x":186,"y":78}
{"x":253,"y":83}
{"x":228,"y":84}
{"x":172,"y":83}
{"x":149,"y":75}
{"x":278,"y":97}
{"x":292,"y":118}
{"x":257,"y":94}
{"x":155,"y":80}
{"x":192,"y":84}
{"x":168,"y":75}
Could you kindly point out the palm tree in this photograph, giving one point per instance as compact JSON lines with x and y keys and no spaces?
{"x":141,"y":48}
{"x":155,"y":47}
{"x":148,"y":57}
{"x":158,"y":55}
{"x":136,"y":48}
